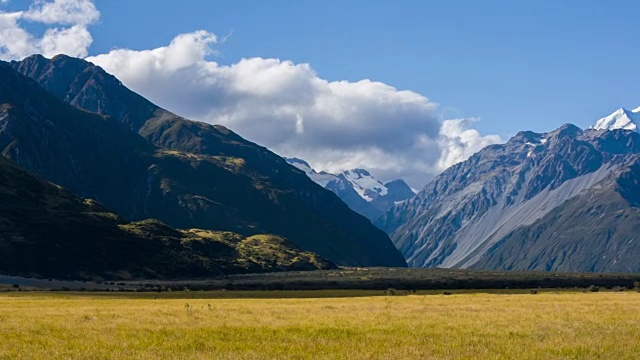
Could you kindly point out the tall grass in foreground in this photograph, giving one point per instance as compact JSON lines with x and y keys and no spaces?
{"x":466,"y":326}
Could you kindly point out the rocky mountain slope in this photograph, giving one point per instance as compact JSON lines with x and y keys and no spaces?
{"x":145,"y":162}
{"x":565,"y":200}
{"x":359,"y":189}
{"x":46,"y":231}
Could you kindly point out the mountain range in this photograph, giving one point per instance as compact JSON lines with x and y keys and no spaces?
{"x":362,"y":192}
{"x":98,"y":182}
{"x":69,"y":122}
{"x":567,"y":200}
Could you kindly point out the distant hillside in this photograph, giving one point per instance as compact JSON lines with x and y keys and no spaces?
{"x":145,"y":162}
{"x":46,"y":231}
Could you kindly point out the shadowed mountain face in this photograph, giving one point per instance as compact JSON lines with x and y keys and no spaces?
{"x":144,"y":162}
{"x":564,"y":201}
{"x":46,"y":231}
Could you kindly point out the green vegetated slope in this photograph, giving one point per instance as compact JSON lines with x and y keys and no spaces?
{"x":46,"y":231}
{"x":144,"y":162}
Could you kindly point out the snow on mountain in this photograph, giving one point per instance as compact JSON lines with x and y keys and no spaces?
{"x":364,"y":184}
{"x":361,"y":191}
{"x":620,"y":119}
{"x":322,"y":178}
{"x":300,"y":164}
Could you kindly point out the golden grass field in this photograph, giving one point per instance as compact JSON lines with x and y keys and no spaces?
{"x":352,"y":325}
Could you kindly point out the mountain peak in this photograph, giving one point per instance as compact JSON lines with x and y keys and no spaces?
{"x":528,"y":137}
{"x":566,"y":130}
{"x":365,"y":184}
{"x":360,"y":190}
{"x":399,"y":189}
{"x":620,"y":119}
{"x":35,"y":57}
{"x":64,"y":57}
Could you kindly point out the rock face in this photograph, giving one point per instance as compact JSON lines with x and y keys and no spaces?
{"x":564,"y":201}
{"x":46,"y":231}
{"x":145,"y":162}
{"x":359,"y":189}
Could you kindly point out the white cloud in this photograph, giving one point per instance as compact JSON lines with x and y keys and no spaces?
{"x":72,"y":38}
{"x":15,"y":42}
{"x":279,"y":104}
{"x":458,"y":142}
{"x":290,"y":109}
{"x":67,"y":12}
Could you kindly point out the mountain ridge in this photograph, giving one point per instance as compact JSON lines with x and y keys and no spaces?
{"x":185,"y":173}
{"x":470,"y":209}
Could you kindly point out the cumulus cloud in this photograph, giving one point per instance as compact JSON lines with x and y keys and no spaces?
{"x":68,"y":12}
{"x":68,"y":34}
{"x":290,"y":109}
{"x":458,"y":142}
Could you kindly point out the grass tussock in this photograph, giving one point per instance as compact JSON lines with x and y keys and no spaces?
{"x":458,"y":326}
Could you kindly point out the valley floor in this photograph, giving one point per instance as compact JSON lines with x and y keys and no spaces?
{"x":320,"y":325}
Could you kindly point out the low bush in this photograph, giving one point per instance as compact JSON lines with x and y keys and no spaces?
{"x":390,"y":292}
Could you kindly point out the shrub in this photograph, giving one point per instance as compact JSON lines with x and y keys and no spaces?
{"x":533,"y":291}
{"x":594,"y":288}
{"x":390,"y":292}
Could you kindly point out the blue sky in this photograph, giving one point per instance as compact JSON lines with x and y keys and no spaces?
{"x":446,"y":77}
{"x":515,"y":64}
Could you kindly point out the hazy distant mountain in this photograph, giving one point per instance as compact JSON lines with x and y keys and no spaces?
{"x":145,"y":162}
{"x":46,"y":231}
{"x":359,"y":189}
{"x":567,"y":200}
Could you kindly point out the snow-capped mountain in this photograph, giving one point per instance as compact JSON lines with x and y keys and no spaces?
{"x":322,"y":178}
{"x":365,"y":185}
{"x":620,"y":119}
{"x":567,"y":200}
{"x":359,"y":189}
